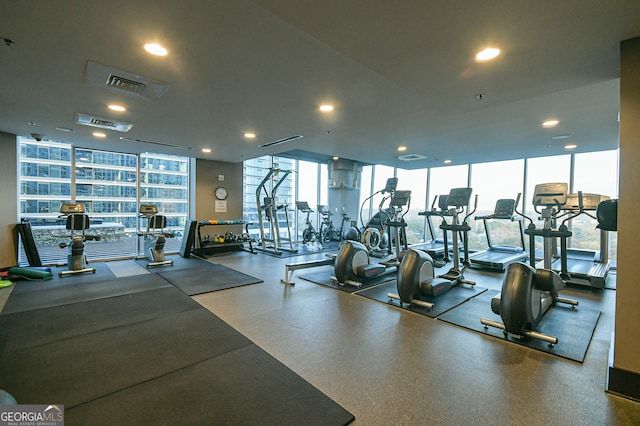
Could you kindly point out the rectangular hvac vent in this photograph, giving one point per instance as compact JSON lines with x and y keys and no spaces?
{"x":279,"y":141}
{"x":411,"y":157}
{"x":125,"y":84}
{"x":103,"y":123}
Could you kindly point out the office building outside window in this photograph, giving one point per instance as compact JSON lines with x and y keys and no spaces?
{"x":110,"y":185}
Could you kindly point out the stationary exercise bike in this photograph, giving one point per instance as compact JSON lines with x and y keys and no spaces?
{"x":529,"y":292}
{"x":155,"y":236}
{"x":416,"y":274}
{"x":353,"y":264}
{"x":309,"y":234}
{"x":76,"y":220}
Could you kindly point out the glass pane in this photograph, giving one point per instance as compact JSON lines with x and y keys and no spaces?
{"x":164,"y":181}
{"x":595,"y":173}
{"x":45,"y":182}
{"x":366,"y":189}
{"x":380,"y":176}
{"x":416,"y":182}
{"x":308,"y":192}
{"x":494,"y":181}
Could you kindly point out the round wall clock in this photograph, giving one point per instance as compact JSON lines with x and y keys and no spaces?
{"x":221,"y":193}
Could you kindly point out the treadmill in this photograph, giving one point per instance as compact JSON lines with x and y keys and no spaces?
{"x":498,"y":257}
{"x":586,"y":267}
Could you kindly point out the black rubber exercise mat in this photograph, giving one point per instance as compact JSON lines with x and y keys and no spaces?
{"x":44,"y":326}
{"x":205,"y":277}
{"x":245,"y":386}
{"x":457,"y":295}
{"x":323,"y":277}
{"x":572,"y":327}
{"x":29,"y":295}
{"x":80,"y":369}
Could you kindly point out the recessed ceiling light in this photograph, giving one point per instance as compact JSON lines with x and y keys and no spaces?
{"x":155,"y":49}
{"x":119,"y":108}
{"x":487,"y":54}
{"x":550,"y":123}
{"x":99,"y":135}
{"x":402,"y":148}
{"x":336,"y":158}
{"x":206,"y":150}
{"x":571,"y":146}
{"x":326,"y":108}
{"x":250,"y":135}
{"x":447,"y":161}
{"x":31,"y":123}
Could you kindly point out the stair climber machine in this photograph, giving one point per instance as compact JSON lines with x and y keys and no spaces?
{"x":353,"y":264}
{"x":586,"y":267}
{"x":155,"y":236}
{"x":416,"y":275}
{"x":529,"y":292}
{"x":498,"y":257}
{"x":268,"y":215}
{"x":77,"y":222}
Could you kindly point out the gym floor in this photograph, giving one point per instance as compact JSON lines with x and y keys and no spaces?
{"x":390,"y":366}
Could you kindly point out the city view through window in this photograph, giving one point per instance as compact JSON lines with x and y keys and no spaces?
{"x":110,"y":186}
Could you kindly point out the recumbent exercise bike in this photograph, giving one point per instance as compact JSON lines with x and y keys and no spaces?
{"x":76,"y":221}
{"x":155,"y":236}
{"x":529,"y":292}
{"x":353,"y":263}
{"x":416,"y":275}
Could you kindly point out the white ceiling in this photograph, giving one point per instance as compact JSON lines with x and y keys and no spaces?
{"x":398,"y":73}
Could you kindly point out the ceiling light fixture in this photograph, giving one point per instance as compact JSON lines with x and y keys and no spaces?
{"x":550,"y":123}
{"x":335,"y":158}
{"x":250,"y":135}
{"x":206,"y":150}
{"x":487,"y":54}
{"x":155,"y":49}
{"x":402,"y":148}
{"x":118,"y":108}
{"x":571,"y":146}
{"x":99,"y":135}
{"x":447,"y":161}
{"x":326,"y":108}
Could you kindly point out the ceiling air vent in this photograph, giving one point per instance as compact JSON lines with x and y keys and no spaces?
{"x":411,"y":157}
{"x":279,"y":141}
{"x":103,"y":123}
{"x":123,"y":82}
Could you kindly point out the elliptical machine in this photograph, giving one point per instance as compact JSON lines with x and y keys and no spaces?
{"x":529,"y":292}
{"x":76,"y":220}
{"x":155,"y":236}
{"x":416,"y":275}
{"x":353,"y":264}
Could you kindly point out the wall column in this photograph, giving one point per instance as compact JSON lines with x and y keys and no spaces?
{"x":624,"y":368}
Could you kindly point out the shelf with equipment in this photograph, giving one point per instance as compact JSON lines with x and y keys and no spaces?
{"x":227,"y":241}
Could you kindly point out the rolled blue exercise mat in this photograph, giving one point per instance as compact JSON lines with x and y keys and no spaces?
{"x":31,"y":273}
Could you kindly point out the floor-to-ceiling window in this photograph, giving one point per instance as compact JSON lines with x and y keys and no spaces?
{"x":416,"y":182}
{"x":308,"y":175}
{"x":106,"y":184}
{"x":594,"y":173}
{"x":488,"y":181}
{"x":441,"y":181}
{"x":278,"y":172}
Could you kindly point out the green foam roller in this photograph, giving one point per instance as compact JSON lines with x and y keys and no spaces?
{"x":42,"y":274}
